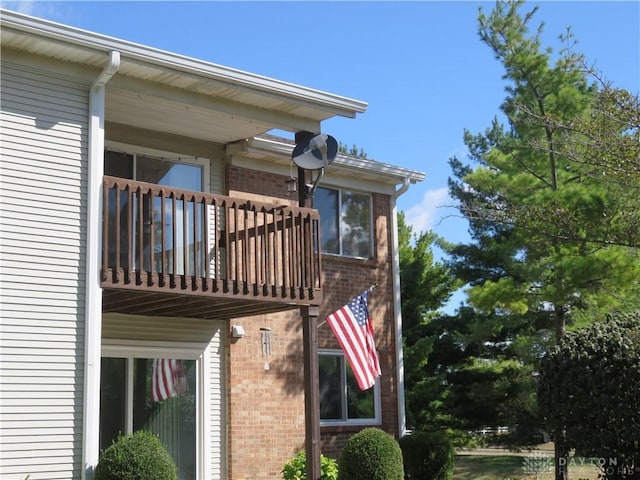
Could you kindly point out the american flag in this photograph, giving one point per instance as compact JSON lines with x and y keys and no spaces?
{"x":168,"y":379}
{"x":352,"y":327}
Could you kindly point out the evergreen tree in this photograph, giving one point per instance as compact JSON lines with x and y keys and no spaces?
{"x":551,"y":199}
{"x":426,"y":285}
{"x":552,"y":237}
{"x":520,"y":195}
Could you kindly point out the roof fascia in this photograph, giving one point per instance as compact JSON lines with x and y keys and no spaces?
{"x":133,"y":52}
{"x":384,"y":171}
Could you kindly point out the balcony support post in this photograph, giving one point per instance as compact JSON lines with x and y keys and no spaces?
{"x":309,"y":316}
{"x":310,"y":344}
{"x":311,"y":390}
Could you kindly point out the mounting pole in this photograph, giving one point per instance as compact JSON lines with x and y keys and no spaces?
{"x":311,"y":390}
{"x":310,"y":344}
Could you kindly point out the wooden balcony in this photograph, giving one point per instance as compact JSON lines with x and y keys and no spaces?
{"x":171,"y":252}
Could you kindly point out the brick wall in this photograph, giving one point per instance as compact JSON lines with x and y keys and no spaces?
{"x":259,"y":186}
{"x":343,"y":278}
{"x":266,"y":407}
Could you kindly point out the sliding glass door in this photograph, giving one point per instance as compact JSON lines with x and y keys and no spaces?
{"x":173,"y":233}
{"x":158,"y":395}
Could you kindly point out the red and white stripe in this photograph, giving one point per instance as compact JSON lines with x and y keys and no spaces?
{"x":163,"y":379}
{"x":358,"y":345}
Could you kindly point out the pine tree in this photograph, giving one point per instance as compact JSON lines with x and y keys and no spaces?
{"x":553,"y":241}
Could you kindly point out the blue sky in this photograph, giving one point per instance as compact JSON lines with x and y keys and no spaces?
{"x":420,"y":65}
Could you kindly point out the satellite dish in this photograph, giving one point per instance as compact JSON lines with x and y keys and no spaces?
{"x":315,"y":154}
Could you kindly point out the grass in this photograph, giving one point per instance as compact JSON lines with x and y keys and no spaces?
{"x":512,"y":467}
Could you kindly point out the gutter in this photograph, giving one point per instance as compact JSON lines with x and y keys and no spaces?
{"x":281,"y":149}
{"x":397,"y":310}
{"x":93,"y":295}
{"x":135,"y":53}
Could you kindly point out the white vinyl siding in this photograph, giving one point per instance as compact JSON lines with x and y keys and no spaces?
{"x":42,"y":274}
{"x":211,"y":336}
{"x":216,"y":183}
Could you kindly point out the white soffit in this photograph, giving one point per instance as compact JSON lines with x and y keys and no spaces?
{"x":278,"y":150}
{"x":69,"y":44}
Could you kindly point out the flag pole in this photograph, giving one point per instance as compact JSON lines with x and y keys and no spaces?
{"x":368,"y":290}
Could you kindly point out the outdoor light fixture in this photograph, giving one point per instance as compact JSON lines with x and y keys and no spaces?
{"x":292,"y":185}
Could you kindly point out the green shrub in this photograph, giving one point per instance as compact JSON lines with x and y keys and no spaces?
{"x":588,"y":389}
{"x":371,"y":454}
{"x":428,"y":456}
{"x":296,"y":468}
{"x":139,"y":456}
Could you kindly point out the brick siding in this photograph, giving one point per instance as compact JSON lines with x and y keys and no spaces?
{"x":266,"y":407}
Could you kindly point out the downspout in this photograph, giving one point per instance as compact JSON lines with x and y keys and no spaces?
{"x":93,"y":293}
{"x":397,"y":311}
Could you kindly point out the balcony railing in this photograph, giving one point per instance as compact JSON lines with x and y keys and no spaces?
{"x":169,"y":240}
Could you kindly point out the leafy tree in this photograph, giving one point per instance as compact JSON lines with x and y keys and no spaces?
{"x":597,"y":410}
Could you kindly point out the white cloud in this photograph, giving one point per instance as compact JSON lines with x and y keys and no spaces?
{"x":26,"y":7}
{"x":56,"y":11}
{"x":429,"y":211}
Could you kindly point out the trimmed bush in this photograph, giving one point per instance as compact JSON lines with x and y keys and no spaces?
{"x":296,"y":468}
{"x":589,"y":391}
{"x":428,"y":456}
{"x":371,"y":454}
{"x":139,"y":456}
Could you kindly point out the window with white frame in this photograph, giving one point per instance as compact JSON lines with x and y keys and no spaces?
{"x":345,"y":222}
{"x":156,"y":390}
{"x":341,"y":400}
{"x":156,"y":166}
{"x":169,"y":170}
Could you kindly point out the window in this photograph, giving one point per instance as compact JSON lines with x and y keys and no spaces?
{"x":345,"y":222}
{"x":161,"y":168}
{"x":341,"y":400}
{"x":167,"y":170}
{"x":156,"y":391}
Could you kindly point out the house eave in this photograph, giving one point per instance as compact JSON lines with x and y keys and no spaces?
{"x":66,"y":43}
{"x":279,"y":151}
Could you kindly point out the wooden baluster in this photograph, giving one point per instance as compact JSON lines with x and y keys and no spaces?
{"x":184,"y":230}
{"x":152,"y":259}
{"x":206,"y":253}
{"x":246,"y":265}
{"x":174,"y":239}
{"x":117,"y":233}
{"x":105,"y":231}
{"x":129,"y":232}
{"x":196,"y":237}
{"x":163,"y":244}
{"x":141,"y":255}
